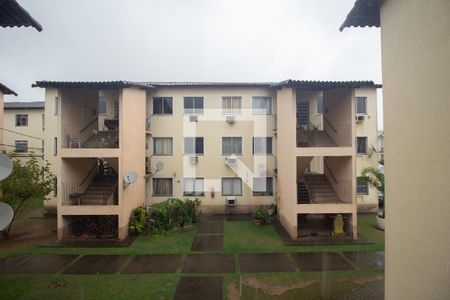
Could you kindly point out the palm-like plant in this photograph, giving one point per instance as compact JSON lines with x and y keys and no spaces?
{"x":374,"y":177}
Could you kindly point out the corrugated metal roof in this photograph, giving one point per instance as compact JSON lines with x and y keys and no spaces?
{"x":298,"y":84}
{"x":14,"y":15}
{"x":24,"y":105}
{"x":6,"y":90}
{"x":91,"y":84}
{"x":364,"y":13}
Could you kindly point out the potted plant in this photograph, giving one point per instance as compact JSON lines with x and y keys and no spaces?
{"x":259,"y":216}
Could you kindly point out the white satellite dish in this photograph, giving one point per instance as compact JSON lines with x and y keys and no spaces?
{"x":6,"y":215}
{"x":159,"y":166}
{"x":130,"y":178}
{"x":5,"y":166}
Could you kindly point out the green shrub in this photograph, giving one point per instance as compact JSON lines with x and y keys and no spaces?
{"x":138,"y":220}
{"x":262,"y":213}
{"x":174,"y":213}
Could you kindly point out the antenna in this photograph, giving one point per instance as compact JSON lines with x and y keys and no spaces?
{"x":6,"y":215}
{"x":6,"y":166}
{"x":130,"y":178}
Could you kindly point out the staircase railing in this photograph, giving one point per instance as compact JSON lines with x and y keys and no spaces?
{"x":340,"y":134}
{"x":307,"y":134}
{"x":342,"y":188}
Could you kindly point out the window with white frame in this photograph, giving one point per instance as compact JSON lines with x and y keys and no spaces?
{"x":193,"y":145}
{"x":262,"y":145}
{"x":262,"y":186}
{"x":43,"y":120}
{"x":102,"y":106}
{"x":162,"y":106}
{"x":361,"y":105}
{"x":320,"y":105}
{"x":55,"y":106}
{"x":193,"y":187}
{"x":162,"y":146}
{"x":55,"y":146}
{"x":21,"y":146}
{"x":262,"y":105}
{"x":231,"y":105}
{"x":193,"y":105}
{"x":21,"y":120}
{"x":361,"y":145}
{"x":162,"y":186}
{"x":231,"y":145}
{"x":362,"y":186}
{"x":231,"y":186}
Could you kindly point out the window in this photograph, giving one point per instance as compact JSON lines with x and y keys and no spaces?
{"x":231,"y":186}
{"x":163,"y":106}
{"x":42,"y":146}
{"x":21,"y":146}
{"x":193,"y":187}
{"x":162,"y":146}
{"x":361,"y":145}
{"x":55,"y":106}
{"x":362,"y":186}
{"x":193,"y":145}
{"x":262,"y":186}
{"x":361,"y":105}
{"x":21,"y":120}
{"x":231,"y":105}
{"x":102,"y":106}
{"x":262,"y":145}
{"x":162,"y":187}
{"x":55,"y":187}
{"x":193,"y":105}
{"x":55,"y":146}
{"x":231,"y":145}
{"x":320,"y":105}
{"x":262,"y":105}
{"x":43,"y":120}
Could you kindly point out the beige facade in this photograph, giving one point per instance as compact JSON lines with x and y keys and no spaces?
{"x":234,"y":146}
{"x":23,"y":133}
{"x":415,"y":39}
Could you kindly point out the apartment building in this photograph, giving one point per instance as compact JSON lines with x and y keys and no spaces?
{"x":235,"y":146}
{"x":23,"y":129}
{"x":415,"y":39}
{"x":4,"y":90}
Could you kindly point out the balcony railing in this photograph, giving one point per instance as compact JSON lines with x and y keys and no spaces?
{"x":90,"y":135}
{"x":75,"y":193}
{"x":324,"y":135}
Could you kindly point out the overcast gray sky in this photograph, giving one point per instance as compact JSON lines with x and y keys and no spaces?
{"x":186,"y":40}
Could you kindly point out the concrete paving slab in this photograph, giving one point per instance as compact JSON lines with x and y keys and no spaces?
{"x":8,"y":263}
{"x":366,"y":260}
{"x":199,"y":288}
{"x":204,"y":243}
{"x":44,"y":264}
{"x":264,"y":262}
{"x":321,"y":261}
{"x":210,"y":228}
{"x":209,"y":263}
{"x":93,"y":264}
{"x":165,"y":263}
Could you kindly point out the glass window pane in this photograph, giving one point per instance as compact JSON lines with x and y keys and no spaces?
{"x":102,"y":106}
{"x":199,"y":145}
{"x":320,"y":105}
{"x":361,"y":105}
{"x":188,"y":105}
{"x":167,"y":108}
{"x":157,"y":106}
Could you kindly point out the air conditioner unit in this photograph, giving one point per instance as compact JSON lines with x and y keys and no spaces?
{"x":359,"y":119}
{"x":231,"y":160}
{"x":231,"y":119}
{"x":231,"y":201}
{"x":193,"y":160}
{"x":193,"y":118}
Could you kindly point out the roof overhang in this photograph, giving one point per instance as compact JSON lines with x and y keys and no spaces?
{"x":101,"y":85}
{"x":24,"y":105}
{"x":12,"y":14}
{"x":6,"y":90}
{"x":364,"y":13}
{"x":327,"y":85}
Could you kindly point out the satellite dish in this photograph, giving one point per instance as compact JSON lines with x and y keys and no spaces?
{"x":5,"y":166}
{"x":6,"y":215}
{"x":159,"y":166}
{"x":130,"y":178}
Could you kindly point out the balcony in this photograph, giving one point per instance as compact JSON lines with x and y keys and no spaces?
{"x":323,"y":134}
{"x":96,"y":134}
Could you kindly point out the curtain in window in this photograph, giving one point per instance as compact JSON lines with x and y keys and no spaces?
{"x":231,"y":105}
{"x":262,"y":105}
{"x":262,"y":145}
{"x":199,"y":186}
{"x":188,"y":185}
{"x":361,"y":105}
{"x":361,"y":145}
{"x":231,"y":186}
{"x":162,"y":186}
{"x":189,"y":147}
{"x":231,"y":145}
{"x":263,"y":185}
{"x":162,"y":146}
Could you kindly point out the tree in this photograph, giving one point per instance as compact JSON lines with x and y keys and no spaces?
{"x":374,"y":177}
{"x":27,"y":181}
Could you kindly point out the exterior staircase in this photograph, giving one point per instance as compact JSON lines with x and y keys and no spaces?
{"x":312,"y":137}
{"x":320,"y":189}
{"x":103,"y":139}
{"x":101,"y":191}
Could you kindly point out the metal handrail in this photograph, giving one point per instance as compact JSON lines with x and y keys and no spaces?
{"x":329,"y":124}
{"x":329,"y":171}
{"x":89,"y":173}
{"x":88,"y":125}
